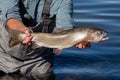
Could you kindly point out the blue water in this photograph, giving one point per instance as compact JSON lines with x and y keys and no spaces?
{"x":102,"y":60}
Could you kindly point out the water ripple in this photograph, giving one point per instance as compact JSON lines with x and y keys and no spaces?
{"x":102,"y":60}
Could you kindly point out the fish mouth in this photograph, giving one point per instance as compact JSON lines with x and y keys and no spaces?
{"x":104,"y":39}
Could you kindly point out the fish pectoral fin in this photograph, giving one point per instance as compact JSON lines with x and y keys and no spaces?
{"x":58,"y":51}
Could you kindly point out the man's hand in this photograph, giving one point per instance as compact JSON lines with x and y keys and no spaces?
{"x":15,"y":24}
{"x":27,"y":41}
{"x":83,"y":44}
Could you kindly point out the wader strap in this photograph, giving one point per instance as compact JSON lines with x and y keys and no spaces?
{"x":45,"y":15}
{"x":43,"y":26}
{"x":46,"y":9}
{"x":45,"y":18}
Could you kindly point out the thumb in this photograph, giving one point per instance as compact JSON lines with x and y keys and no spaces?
{"x":27,"y":32}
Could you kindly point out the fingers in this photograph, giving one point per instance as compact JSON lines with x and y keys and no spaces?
{"x":29,"y":37}
{"x":79,"y":45}
{"x":27,"y":41}
{"x":83,"y":45}
{"x":27,"y":32}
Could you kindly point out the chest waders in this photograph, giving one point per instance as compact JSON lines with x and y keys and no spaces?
{"x":23,"y":59}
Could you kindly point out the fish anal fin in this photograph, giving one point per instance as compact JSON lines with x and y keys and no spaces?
{"x":58,"y":51}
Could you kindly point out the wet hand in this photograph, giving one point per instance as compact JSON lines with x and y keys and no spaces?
{"x":83,"y":44}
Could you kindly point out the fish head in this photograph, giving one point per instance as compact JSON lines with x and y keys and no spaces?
{"x":98,"y":35}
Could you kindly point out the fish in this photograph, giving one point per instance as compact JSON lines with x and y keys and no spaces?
{"x":61,"y":39}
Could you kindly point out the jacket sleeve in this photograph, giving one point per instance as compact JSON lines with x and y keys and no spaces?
{"x":64,"y":15}
{"x":10,"y":9}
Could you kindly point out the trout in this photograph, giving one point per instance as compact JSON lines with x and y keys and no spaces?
{"x":62,"y":39}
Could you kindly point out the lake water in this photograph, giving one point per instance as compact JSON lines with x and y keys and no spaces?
{"x":102,"y":60}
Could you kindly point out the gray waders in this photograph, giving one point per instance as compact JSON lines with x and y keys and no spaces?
{"x":24,"y":59}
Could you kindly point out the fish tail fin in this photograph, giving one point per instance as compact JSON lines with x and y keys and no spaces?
{"x":14,"y":38}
